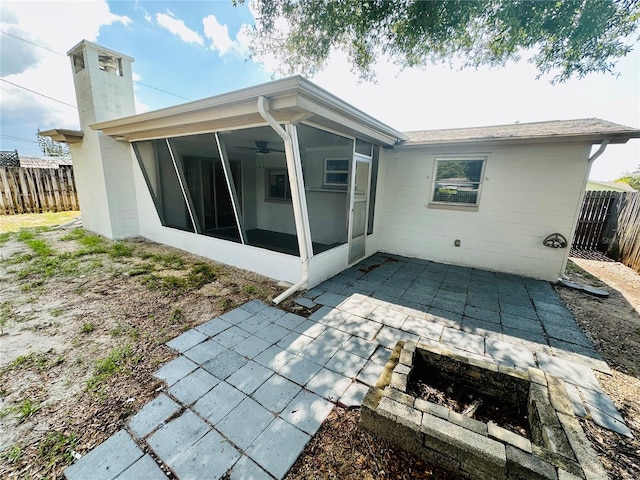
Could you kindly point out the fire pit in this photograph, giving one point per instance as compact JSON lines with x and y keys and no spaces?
{"x":478,"y":419}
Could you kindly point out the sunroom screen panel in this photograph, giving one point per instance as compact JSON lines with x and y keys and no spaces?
{"x":160,"y":175}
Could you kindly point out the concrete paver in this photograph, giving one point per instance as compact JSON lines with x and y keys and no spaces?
{"x":216,"y":404}
{"x":210,"y":457}
{"x":245,"y":422}
{"x":307,"y":411}
{"x":177,"y":436}
{"x":278,"y":447}
{"x":249,"y":377}
{"x":276,"y":393}
{"x":193,"y":386}
{"x":247,"y":469}
{"x":266,"y":355}
{"x":187,"y":340}
{"x":107,"y":460}
{"x":176,"y":369}
{"x":145,"y":468}
{"x":152,"y":415}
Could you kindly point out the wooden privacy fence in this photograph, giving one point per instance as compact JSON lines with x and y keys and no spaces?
{"x":610,"y":223}
{"x":37,"y":190}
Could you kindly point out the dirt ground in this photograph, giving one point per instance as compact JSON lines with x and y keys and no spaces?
{"x":83,"y":322}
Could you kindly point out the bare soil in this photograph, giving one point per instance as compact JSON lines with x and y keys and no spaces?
{"x":83,"y":323}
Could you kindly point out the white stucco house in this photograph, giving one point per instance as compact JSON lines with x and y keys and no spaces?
{"x":289,"y":181}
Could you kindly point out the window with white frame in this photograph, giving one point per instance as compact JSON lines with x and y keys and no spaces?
{"x":336,"y":172}
{"x":277,"y":188}
{"x":457,"y":181}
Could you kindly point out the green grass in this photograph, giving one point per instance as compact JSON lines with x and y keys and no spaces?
{"x":249,"y":289}
{"x":13,"y":454}
{"x":121,"y":249}
{"x":88,"y":327}
{"x":23,"y":410}
{"x":57,"y":447}
{"x":176,"y":316}
{"x":14,"y":223}
{"x":117,"y":361}
{"x":5,"y":237}
{"x":37,"y":361}
{"x":6,"y":313}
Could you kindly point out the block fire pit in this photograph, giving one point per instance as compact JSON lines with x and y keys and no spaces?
{"x":478,"y":419}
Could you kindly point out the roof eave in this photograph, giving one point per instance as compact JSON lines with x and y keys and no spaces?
{"x":63,"y":135}
{"x":613,"y":138}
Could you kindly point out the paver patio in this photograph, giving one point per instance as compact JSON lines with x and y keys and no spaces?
{"x":250,"y":388}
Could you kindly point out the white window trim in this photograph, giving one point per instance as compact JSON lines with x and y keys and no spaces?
{"x":455,"y":205}
{"x":267,"y":196}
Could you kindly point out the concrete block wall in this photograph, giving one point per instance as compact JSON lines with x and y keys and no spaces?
{"x":528,"y":192}
{"x":104,"y":166}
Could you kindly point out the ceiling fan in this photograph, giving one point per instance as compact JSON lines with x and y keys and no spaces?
{"x":261,"y":148}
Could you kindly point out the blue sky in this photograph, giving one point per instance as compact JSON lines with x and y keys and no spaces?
{"x":196,"y":49}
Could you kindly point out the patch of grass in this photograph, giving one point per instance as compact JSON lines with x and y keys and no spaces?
{"x":201,"y":274}
{"x":225,"y":304}
{"x":57,"y":447}
{"x":14,"y":223}
{"x":117,"y":361}
{"x":40,"y":247}
{"x":5,"y":237}
{"x":23,"y":410}
{"x":25,"y":235}
{"x":121,"y":249}
{"x":176,"y":316}
{"x":56,"y":312}
{"x":13,"y":454}
{"x":170,"y":260}
{"x":249,"y":289}
{"x":6,"y":312}
{"x":141,"y":269}
{"x":75,"y":234}
{"x":88,"y":327}
{"x":92,"y":245}
{"x":37,"y":361}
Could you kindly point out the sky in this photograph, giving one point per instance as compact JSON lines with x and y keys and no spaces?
{"x":188,"y":50}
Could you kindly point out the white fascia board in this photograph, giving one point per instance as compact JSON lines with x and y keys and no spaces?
{"x":613,"y":138}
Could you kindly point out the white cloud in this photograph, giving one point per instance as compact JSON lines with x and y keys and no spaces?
{"x":57,"y":26}
{"x":222,"y":42}
{"x":177,"y":27}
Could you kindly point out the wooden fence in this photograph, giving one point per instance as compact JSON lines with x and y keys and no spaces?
{"x":610,"y":223}
{"x":37,"y":190}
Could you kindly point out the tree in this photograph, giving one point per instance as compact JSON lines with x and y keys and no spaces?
{"x":51,"y":148}
{"x":631,"y":179}
{"x":567,"y":37}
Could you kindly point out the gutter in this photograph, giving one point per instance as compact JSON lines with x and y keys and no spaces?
{"x":590,"y":160}
{"x":299,"y":212}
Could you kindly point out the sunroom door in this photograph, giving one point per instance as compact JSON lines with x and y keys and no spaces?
{"x":359,"y":203}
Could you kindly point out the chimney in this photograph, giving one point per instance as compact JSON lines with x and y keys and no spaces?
{"x":103,"y":167}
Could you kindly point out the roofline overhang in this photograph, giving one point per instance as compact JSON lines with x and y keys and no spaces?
{"x":612,"y":138}
{"x":63,"y":135}
{"x":289,"y":98}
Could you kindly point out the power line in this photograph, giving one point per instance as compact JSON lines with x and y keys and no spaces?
{"x":18,"y":139}
{"x":63,"y":55}
{"x":38,"y":93}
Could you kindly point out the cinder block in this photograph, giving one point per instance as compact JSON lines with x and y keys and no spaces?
{"x":558,"y":395}
{"x":399,"y":381}
{"x":537,"y":376}
{"x":506,"y":436}
{"x":468,"y":423}
{"x":521,"y":464}
{"x":399,"y":396}
{"x":581,"y":446}
{"x":401,"y":411}
{"x":432,"y":408}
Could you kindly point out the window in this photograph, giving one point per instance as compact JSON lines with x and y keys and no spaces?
{"x":457,"y":181}
{"x":278,"y":188}
{"x":336,"y":172}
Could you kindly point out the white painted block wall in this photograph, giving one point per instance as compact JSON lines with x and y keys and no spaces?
{"x":528,"y":192}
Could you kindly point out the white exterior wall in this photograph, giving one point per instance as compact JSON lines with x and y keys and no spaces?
{"x":102,"y":165}
{"x":274,"y":265}
{"x":528,"y":192}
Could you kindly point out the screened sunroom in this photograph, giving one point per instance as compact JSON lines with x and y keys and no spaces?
{"x":279,"y":179}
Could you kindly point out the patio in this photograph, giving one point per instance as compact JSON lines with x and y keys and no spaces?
{"x":251,"y":387}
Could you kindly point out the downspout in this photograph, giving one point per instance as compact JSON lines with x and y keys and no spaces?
{"x":590,"y":160}
{"x":296,"y":200}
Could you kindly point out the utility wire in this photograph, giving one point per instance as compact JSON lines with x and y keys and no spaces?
{"x":10,"y":137}
{"x":38,"y":93}
{"x":63,"y":55}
